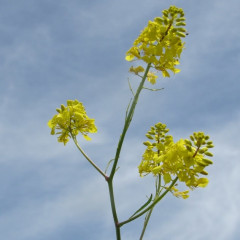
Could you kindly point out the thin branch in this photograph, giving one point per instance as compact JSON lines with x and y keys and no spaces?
{"x":89,"y":160}
{"x":152,"y":205}
{"x":130,"y":87}
{"x":153,"y":89}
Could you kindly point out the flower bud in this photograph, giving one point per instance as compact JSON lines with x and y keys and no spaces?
{"x":181,"y":24}
{"x":62,"y":107}
{"x":203,"y":172}
{"x":188,"y":142}
{"x":165,"y":13}
{"x":200,"y":163}
{"x":158,"y":20}
{"x":147,"y":143}
{"x":181,"y":19}
{"x":69,"y":102}
{"x":192,"y":138}
{"x":149,"y":136}
{"x":207,"y":161}
{"x":180,"y":34}
{"x":210,"y":146}
{"x":209,"y":154}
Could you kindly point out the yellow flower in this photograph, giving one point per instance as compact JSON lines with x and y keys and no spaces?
{"x":160,"y":42}
{"x":71,"y":120}
{"x":151,"y":77}
{"x":136,"y":70}
{"x":185,"y":159}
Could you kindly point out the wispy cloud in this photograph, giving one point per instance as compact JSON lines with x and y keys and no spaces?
{"x":50,"y":53}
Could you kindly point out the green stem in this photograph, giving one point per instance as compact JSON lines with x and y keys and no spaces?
{"x":89,"y":160}
{"x":146,"y":223}
{"x":114,"y":212}
{"x":152,"y":205}
{"x":149,"y":213}
{"x":128,"y":121}
{"x":119,"y":147}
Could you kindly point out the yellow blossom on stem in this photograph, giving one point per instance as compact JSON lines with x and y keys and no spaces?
{"x":185,"y":159}
{"x":71,"y":120}
{"x":151,"y":77}
{"x":136,"y":70}
{"x":160,"y":43}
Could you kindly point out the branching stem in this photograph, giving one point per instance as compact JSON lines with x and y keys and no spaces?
{"x":85,"y":155}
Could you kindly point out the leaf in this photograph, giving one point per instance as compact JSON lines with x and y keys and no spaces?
{"x":143,"y":206}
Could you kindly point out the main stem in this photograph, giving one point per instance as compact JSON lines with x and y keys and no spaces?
{"x":119,"y":147}
{"x":114,"y":211}
{"x":128,"y":121}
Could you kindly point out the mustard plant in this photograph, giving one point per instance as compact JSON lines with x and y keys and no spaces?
{"x":158,"y":48}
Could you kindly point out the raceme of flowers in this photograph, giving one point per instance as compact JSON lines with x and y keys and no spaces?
{"x":71,"y":120}
{"x":160,"y":43}
{"x":185,"y":159}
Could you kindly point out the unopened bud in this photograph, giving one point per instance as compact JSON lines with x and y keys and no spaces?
{"x":149,"y":136}
{"x":147,"y":143}
{"x":181,"y":24}
{"x":62,"y":107}
{"x":209,"y":154}
{"x":203,"y":172}
{"x":207,"y":161}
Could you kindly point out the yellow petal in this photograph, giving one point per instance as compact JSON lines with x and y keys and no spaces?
{"x":50,"y":123}
{"x":87,"y":137}
{"x":129,"y":57}
{"x":202,"y":182}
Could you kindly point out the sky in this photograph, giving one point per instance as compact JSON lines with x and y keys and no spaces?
{"x":51,"y":51}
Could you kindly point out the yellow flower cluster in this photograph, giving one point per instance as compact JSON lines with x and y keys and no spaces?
{"x":160,"y":42}
{"x":185,"y":159}
{"x":71,"y":120}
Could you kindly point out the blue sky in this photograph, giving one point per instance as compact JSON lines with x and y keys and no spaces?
{"x":51,"y":51}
